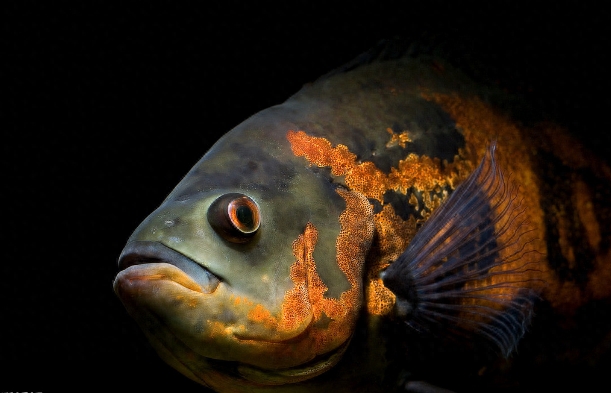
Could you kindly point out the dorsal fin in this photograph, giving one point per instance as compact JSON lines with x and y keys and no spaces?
{"x":388,"y":49}
{"x":470,"y":269}
{"x":424,"y":44}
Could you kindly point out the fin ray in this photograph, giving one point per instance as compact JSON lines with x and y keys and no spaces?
{"x":470,"y":267}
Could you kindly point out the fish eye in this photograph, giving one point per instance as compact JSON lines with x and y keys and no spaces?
{"x":235,"y":217}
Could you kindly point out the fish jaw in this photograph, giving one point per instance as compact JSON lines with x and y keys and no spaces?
{"x":205,"y":313}
{"x":195,"y":324}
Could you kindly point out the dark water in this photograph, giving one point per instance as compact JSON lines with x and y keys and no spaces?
{"x":110,"y":105}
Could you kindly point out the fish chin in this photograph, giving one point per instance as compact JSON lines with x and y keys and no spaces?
{"x":301,"y":373}
{"x":235,"y":376}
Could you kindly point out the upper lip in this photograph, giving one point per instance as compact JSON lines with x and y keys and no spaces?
{"x":141,"y":252}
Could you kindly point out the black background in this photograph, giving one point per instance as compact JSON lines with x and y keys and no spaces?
{"x":107,"y":105}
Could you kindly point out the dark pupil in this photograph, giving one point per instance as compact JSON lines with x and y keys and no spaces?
{"x":244,"y":215}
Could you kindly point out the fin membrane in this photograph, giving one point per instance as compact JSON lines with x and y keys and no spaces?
{"x":471,"y":268}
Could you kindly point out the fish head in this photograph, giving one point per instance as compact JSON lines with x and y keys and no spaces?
{"x":249,"y":273}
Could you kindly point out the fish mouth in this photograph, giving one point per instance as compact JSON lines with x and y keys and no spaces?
{"x":140,"y":252}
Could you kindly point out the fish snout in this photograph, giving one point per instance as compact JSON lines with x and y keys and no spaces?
{"x":147,"y":252}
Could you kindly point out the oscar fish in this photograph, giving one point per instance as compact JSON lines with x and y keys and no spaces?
{"x":392,"y":226}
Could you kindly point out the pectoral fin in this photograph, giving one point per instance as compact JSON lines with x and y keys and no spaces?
{"x":471,"y":268}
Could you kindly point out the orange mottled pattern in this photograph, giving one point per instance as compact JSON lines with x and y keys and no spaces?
{"x":394,"y":235}
{"x":480,"y":124}
{"x":260,"y":314}
{"x":397,"y":139}
{"x":422,"y":173}
{"x":308,"y":295}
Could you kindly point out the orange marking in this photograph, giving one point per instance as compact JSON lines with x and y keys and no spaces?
{"x":307,"y":297}
{"x":260,"y":314}
{"x":394,"y":234}
{"x":297,"y":304}
{"x":422,"y":173}
{"x":397,"y":139}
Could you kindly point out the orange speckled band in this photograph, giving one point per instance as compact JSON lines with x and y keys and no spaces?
{"x":394,"y":234}
{"x":422,"y":172}
{"x":333,"y":319}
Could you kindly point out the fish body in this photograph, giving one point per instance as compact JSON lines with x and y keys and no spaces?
{"x":344,"y":239}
